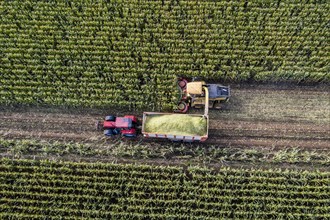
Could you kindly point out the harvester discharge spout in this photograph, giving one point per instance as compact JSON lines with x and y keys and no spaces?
{"x":199,"y":89}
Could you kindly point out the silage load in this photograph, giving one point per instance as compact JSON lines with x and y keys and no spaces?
{"x":176,"y":124}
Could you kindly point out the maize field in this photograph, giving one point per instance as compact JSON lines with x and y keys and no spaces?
{"x":66,"y":63}
{"x":128,"y":53}
{"x":38,"y":189}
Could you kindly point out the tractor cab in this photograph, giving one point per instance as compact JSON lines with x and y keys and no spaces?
{"x":126,"y":126}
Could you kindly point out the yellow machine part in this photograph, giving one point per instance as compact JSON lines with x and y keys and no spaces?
{"x":195,"y":88}
{"x":198,"y":101}
{"x":206,"y":110}
{"x":200,"y":89}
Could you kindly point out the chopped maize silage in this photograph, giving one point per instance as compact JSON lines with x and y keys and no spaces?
{"x":176,"y":124}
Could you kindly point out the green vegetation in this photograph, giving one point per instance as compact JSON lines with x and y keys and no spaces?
{"x":176,"y":124}
{"x":127,"y":53}
{"x":40,"y":189}
{"x":186,"y":153}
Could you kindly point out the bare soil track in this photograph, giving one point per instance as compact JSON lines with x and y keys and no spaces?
{"x":265,"y":116}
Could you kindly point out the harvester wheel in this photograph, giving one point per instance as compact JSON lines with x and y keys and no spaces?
{"x":110,"y":118}
{"x":182,"y":83}
{"x":212,"y":104}
{"x":183,"y":107}
{"x":217,"y":105}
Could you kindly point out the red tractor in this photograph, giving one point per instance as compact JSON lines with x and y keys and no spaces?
{"x":126,"y":126}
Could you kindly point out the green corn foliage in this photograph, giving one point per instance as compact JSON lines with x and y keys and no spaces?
{"x":127,"y":53}
{"x":45,"y":189}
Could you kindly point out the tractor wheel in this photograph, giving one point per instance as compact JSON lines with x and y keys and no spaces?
{"x":108,"y":132}
{"x":110,"y":118}
{"x":130,"y":135}
{"x":183,"y":107}
{"x":116,"y":131}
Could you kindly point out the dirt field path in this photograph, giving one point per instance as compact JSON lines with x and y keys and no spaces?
{"x":264,"y":116}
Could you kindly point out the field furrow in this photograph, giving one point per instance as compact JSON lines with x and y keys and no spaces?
{"x":261,"y":117}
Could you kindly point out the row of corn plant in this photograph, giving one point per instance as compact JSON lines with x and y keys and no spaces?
{"x":102,"y":190}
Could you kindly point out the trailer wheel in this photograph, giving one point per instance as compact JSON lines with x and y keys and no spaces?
{"x":116,"y":131}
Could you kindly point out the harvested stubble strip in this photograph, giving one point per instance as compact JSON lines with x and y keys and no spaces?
{"x":176,"y":124}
